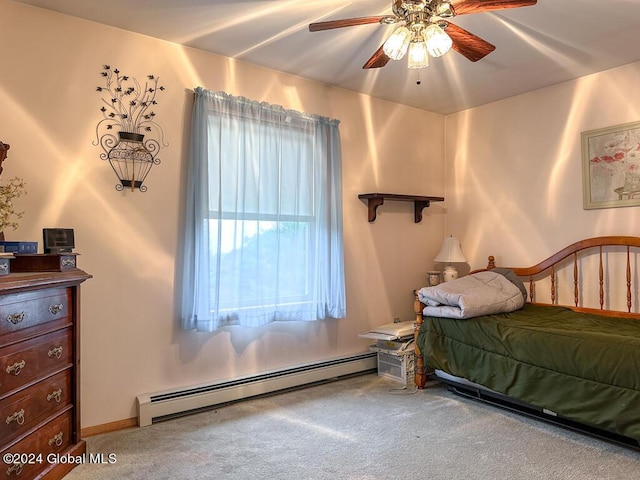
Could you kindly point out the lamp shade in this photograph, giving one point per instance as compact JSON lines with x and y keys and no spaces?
{"x":418,"y":56}
{"x":438,"y":42}
{"x":450,"y":252}
{"x":396,"y":45}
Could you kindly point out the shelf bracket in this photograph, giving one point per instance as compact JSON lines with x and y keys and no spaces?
{"x":372,"y":205}
{"x":418,"y":206}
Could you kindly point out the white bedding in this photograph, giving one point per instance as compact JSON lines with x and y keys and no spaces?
{"x":481,"y":293}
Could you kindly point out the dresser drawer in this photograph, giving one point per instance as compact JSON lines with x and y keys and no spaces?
{"x":24,"y":410}
{"x":28,"y":361}
{"x":23,"y":310}
{"x":30,"y":454}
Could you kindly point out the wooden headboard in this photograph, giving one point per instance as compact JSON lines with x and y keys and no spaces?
{"x":597,"y":275}
{"x":608,"y":275}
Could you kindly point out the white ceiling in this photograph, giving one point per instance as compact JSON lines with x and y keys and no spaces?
{"x":538,"y":46}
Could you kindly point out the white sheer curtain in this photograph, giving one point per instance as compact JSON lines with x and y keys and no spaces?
{"x":263,"y":239}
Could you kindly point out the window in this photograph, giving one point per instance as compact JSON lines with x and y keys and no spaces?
{"x":263,"y":237}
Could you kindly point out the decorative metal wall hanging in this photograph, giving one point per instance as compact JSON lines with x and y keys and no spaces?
{"x":131,"y":150}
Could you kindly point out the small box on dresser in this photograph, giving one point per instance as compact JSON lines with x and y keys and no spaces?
{"x":19,"y":247}
{"x":43,"y":262}
{"x":39,"y":372}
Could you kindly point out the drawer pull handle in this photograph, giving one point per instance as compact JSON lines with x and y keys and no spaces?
{"x":55,"y":395}
{"x":17,"y":417}
{"x":16,"y":318}
{"x":55,"y":309}
{"x":55,"y":352}
{"x":56,"y":439}
{"x":16,"y":468}
{"x":16,"y":368}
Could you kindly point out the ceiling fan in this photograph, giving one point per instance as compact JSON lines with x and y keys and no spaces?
{"x":425,"y":30}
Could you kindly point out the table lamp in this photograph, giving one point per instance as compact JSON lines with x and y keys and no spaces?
{"x":450,"y":253}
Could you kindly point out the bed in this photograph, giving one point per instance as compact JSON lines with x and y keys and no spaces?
{"x":570,"y":353}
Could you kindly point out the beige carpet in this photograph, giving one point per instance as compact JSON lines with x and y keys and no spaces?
{"x":362,"y":428}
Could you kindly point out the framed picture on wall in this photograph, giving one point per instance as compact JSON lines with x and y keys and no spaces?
{"x":611,"y":166}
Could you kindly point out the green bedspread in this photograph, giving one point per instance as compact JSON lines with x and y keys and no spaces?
{"x":583,"y":367}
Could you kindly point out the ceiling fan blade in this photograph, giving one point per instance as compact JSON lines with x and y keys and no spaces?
{"x":377,"y":60}
{"x":462,"y":7}
{"x":468,"y":44}
{"x":347,"y":22}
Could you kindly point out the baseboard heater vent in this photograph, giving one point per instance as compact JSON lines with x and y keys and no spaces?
{"x":161,"y":405}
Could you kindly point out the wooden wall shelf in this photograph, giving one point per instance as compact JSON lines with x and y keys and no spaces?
{"x":374,"y":200}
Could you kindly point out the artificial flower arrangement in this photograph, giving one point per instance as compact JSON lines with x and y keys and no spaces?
{"x":127,"y":104}
{"x":9,"y":191}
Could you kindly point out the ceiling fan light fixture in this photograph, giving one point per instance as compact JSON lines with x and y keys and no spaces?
{"x":438,"y":42}
{"x":396,"y":45}
{"x":417,"y":56}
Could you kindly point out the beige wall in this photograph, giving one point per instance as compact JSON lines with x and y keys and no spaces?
{"x":129,"y":242}
{"x":514,"y":169}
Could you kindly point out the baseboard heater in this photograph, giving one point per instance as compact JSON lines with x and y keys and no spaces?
{"x":168,"y":404}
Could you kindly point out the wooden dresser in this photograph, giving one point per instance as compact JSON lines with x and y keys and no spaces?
{"x":40,"y":374}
